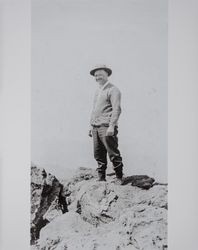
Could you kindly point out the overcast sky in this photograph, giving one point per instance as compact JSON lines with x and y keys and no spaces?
{"x":69,"y":37}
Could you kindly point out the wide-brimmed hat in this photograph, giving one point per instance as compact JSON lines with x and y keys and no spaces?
{"x":100,"y":67}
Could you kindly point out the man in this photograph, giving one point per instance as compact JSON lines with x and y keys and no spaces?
{"x":104,"y":123}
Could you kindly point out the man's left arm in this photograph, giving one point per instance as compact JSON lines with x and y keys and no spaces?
{"x":115,"y":98}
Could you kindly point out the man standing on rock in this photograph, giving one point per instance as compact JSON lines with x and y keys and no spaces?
{"x":104,"y":123}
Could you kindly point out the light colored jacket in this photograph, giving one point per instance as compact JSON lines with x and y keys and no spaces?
{"x":106,"y":108}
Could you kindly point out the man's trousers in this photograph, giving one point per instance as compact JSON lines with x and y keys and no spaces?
{"x":106,"y":144}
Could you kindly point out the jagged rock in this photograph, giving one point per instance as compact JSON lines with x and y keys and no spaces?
{"x":73,"y":185}
{"x":103,"y":201}
{"x":145,"y":227}
{"x":70,"y":232}
{"x":106,"y":216}
{"x":47,"y":201}
{"x":64,"y":232}
{"x":94,"y":200}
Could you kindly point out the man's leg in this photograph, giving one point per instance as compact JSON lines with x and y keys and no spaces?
{"x":111,"y":144}
{"x":100,"y":154}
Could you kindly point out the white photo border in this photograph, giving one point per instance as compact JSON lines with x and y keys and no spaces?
{"x":15,"y":125}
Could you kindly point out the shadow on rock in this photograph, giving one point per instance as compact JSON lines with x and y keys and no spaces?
{"x":141,"y":181}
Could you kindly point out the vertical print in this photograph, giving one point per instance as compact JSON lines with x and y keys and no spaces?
{"x":99,"y":124}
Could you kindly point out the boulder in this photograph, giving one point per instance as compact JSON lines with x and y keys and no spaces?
{"x":47,"y":201}
{"x":107,"y":216}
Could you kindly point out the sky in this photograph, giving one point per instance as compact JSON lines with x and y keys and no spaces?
{"x":68,"y":38}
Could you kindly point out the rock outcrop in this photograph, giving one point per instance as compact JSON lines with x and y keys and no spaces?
{"x":107,"y":216}
{"x":47,"y":200}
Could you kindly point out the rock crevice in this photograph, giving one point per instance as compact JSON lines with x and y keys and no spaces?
{"x":47,"y":200}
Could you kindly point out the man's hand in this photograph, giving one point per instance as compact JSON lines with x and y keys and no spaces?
{"x":110,"y":131}
{"x":90,"y":132}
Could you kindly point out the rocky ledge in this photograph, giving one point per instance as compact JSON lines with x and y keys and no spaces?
{"x":82,"y":213}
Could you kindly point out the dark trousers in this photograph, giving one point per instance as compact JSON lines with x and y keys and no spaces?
{"x":106,"y":144}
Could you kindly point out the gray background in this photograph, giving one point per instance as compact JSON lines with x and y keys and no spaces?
{"x":15,"y":126}
{"x":68,"y":39}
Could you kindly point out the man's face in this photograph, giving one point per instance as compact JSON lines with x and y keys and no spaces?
{"x":101,"y":76}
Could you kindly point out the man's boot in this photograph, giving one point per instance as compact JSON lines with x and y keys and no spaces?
{"x":102,"y":176}
{"x":119,"y":177}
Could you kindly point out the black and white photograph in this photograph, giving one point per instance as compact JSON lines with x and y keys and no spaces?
{"x":99,"y":124}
